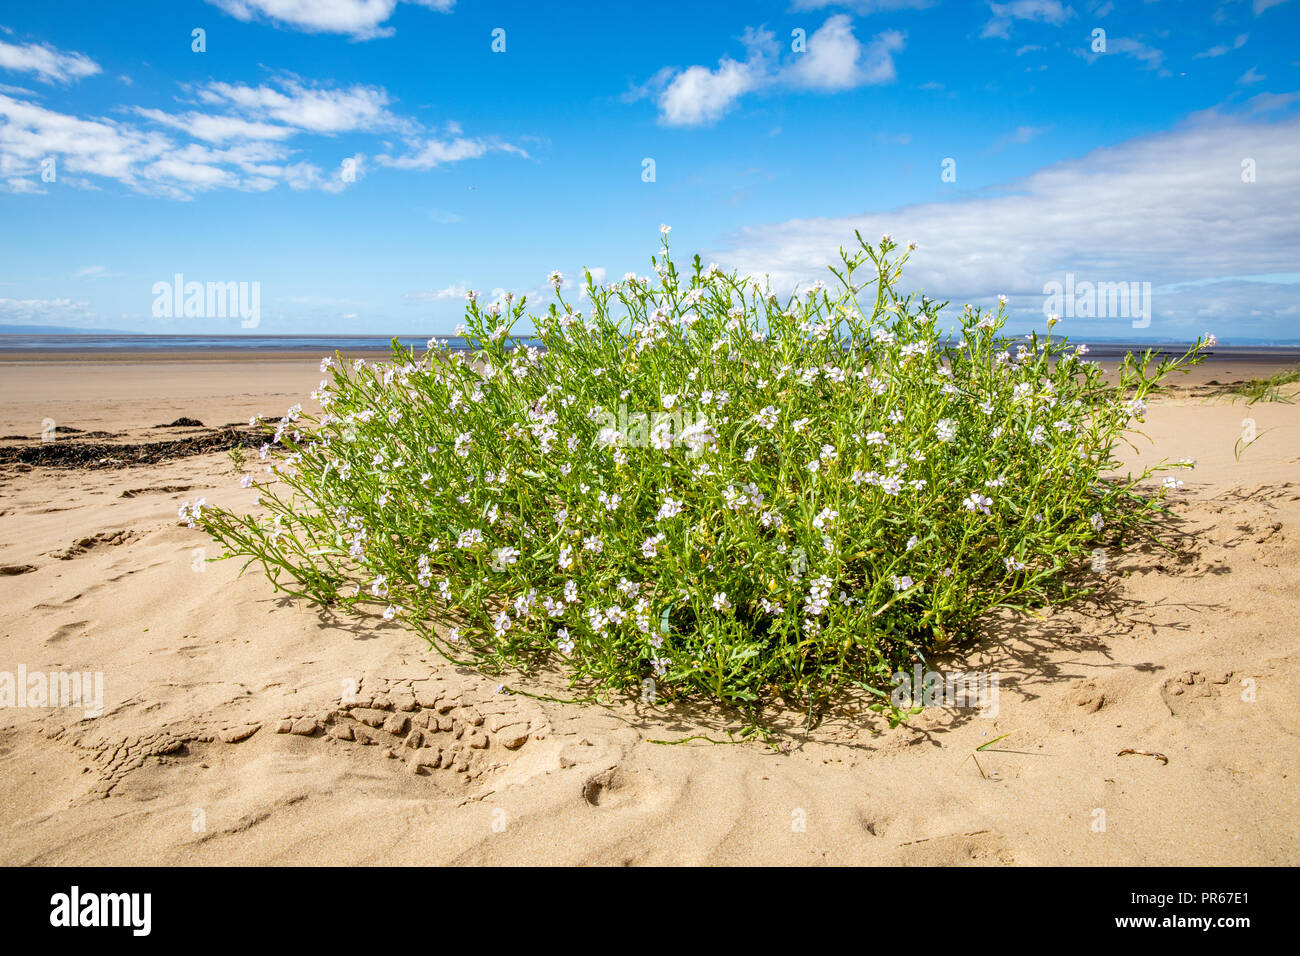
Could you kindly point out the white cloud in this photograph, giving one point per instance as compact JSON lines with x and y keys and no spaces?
{"x":1020,"y":135}
{"x":1223,"y":48}
{"x":1149,"y":56}
{"x":1051,"y":12}
{"x":833,"y":60}
{"x":46,"y":62}
{"x":427,"y":152}
{"x":96,"y":272}
{"x":314,"y":108}
{"x":837,"y":61}
{"x":865,"y":7}
{"x":144,"y":160}
{"x":43,"y":311}
{"x":1251,"y":77}
{"x":1261,"y":5}
{"x":1167,"y":209}
{"x":245,"y":152}
{"x":359,"y":19}
{"x":217,"y":129}
{"x":700,"y":95}
{"x":453,"y":291}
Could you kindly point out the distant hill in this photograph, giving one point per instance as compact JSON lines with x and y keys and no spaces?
{"x":56,"y":330}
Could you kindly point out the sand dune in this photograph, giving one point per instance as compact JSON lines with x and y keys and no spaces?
{"x":239,"y":727}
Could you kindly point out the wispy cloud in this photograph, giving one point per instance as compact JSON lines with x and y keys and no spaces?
{"x":453,"y":291}
{"x":1019,"y":136}
{"x":245,"y":147}
{"x":96,"y":272}
{"x":306,"y":106}
{"x":1149,"y":56}
{"x":1051,"y":12}
{"x":49,"y":64}
{"x":1222,"y":48}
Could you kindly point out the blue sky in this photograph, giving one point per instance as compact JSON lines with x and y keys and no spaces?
{"x":486,"y":170}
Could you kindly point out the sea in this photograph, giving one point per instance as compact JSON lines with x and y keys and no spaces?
{"x":19,"y":343}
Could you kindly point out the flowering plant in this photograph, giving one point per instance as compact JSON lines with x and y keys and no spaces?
{"x":736,"y":495}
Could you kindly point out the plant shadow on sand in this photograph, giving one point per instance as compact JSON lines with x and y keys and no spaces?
{"x":1027,"y":651}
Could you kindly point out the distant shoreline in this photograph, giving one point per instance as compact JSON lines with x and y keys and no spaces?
{"x":22,"y":348}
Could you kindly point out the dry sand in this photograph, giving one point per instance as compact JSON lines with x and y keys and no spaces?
{"x":1194,"y":656}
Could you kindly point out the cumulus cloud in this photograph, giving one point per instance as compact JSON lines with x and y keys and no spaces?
{"x":46,"y":62}
{"x":1169,"y":209}
{"x":359,"y":19}
{"x":834,"y":60}
{"x":837,"y":61}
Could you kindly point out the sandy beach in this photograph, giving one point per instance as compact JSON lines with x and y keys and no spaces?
{"x":1153,"y":724}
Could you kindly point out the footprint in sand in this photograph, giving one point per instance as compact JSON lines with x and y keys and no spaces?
{"x":617,"y":787}
{"x":432,"y":725}
{"x":1195,"y":692}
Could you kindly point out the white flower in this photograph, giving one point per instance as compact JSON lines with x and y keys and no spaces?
{"x":946,"y":429}
{"x":1171,"y":483}
{"x":565,"y":643}
{"x":1097,"y":522}
{"x":977,"y":502}
{"x":650,"y":546}
{"x":1013,"y":565}
{"x":720,"y":602}
{"x":669,"y":509}
{"x":901,"y":583}
{"x":912,"y":542}
{"x":824,"y":516}
{"x":767,"y":417}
